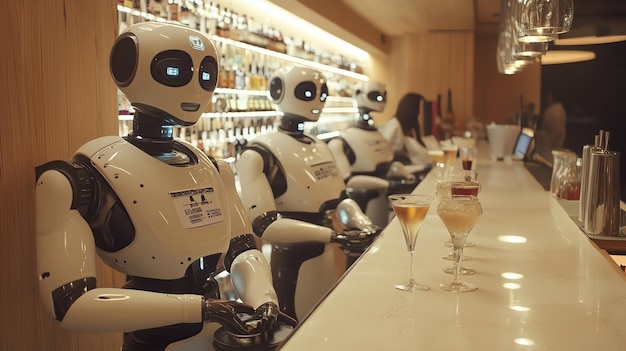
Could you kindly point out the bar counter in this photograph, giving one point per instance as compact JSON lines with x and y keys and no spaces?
{"x":543,"y":284}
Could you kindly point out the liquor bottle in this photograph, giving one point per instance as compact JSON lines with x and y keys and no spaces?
{"x":449,"y":112}
{"x":448,"y":119}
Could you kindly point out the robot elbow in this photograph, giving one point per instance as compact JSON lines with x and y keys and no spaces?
{"x":260,"y":224}
{"x":64,"y":296}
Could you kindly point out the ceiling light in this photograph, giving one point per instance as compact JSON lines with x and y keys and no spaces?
{"x":553,"y":57}
{"x":534,"y":49}
{"x":590,"y":40}
{"x":537,"y":38}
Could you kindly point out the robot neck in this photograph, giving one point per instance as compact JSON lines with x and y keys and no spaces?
{"x":150,"y":135}
{"x":294,"y":126}
{"x":364,"y":120}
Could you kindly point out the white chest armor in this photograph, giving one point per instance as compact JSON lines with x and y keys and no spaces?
{"x":311,"y":174}
{"x":370,"y":149}
{"x":179,"y":214}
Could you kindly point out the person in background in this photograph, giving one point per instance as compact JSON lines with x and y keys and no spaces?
{"x":404,"y":133}
{"x":553,"y":120}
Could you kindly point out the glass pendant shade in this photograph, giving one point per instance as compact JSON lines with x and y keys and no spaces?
{"x":542,"y":20}
{"x":532,"y":49}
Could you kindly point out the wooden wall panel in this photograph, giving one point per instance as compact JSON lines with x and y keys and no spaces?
{"x":497,"y":96}
{"x":56,"y":93}
{"x":430,"y":64}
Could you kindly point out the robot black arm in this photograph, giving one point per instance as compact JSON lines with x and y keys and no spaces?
{"x":238,"y":245}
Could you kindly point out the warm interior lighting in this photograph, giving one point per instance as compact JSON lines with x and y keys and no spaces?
{"x":523,"y":61}
{"x":531,"y":49}
{"x":553,"y":57}
{"x":524,"y":341}
{"x":511,"y":286}
{"x":537,"y":38}
{"x":511,"y":275}
{"x":265,"y":10}
{"x":512,"y":239}
{"x":591,"y":40}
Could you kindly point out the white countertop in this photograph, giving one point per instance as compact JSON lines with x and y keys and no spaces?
{"x":554,"y":290}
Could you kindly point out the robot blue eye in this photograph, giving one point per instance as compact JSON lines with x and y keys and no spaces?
{"x":379,"y":98}
{"x":308,"y":93}
{"x":173,"y":68}
{"x":172,"y":71}
{"x":208,"y":72}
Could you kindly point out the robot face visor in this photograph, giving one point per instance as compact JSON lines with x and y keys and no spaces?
{"x":307,"y":91}
{"x":174,"y":68}
{"x":208,"y":73}
{"x":377,"y":96}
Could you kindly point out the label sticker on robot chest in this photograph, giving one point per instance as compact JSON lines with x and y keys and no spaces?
{"x":324,"y":170}
{"x":197,"y":207}
{"x":378,"y":146}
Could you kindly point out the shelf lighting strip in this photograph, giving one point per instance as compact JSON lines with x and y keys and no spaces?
{"x":331,"y":98}
{"x":241,"y":92}
{"x":257,"y":49}
{"x":292,"y":59}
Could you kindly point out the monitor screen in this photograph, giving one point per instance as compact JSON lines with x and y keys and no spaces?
{"x":522,"y":145}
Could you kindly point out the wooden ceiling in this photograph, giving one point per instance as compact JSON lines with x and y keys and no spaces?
{"x":398,"y":17}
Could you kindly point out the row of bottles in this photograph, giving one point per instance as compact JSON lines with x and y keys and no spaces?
{"x":215,"y":18}
{"x":243,"y":69}
{"x":241,"y":103}
{"x":240,"y":108}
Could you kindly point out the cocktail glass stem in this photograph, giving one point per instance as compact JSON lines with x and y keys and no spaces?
{"x":411,"y":280}
{"x":458,"y":257}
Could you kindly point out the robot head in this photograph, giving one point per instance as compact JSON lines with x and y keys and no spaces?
{"x":298,"y":92}
{"x":166,"y":71}
{"x":371,"y":96}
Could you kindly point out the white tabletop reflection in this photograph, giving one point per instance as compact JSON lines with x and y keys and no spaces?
{"x":542,"y":284}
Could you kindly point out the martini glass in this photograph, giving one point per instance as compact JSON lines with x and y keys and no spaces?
{"x":459,"y":214}
{"x":411,"y":210}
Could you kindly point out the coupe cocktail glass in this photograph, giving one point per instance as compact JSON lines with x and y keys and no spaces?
{"x":411,"y":210}
{"x":463,"y":183}
{"x":459,"y":214}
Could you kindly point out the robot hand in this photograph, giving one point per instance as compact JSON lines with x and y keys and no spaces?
{"x":267,"y":316}
{"x":227,"y":313}
{"x":356,"y":240}
{"x":241,"y":319}
{"x":397,"y":170}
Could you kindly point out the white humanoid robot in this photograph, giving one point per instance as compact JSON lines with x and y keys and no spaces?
{"x":365,"y":157}
{"x":291,"y":188}
{"x":158,"y":210}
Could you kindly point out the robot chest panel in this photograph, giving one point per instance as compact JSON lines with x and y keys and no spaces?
{"x":370,"y":148}
{"x":311,"y":174}
{"x":179,"y":213}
